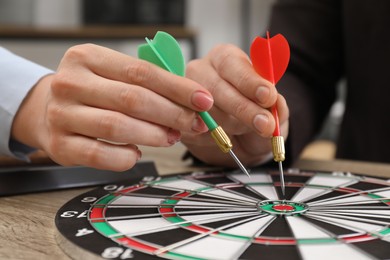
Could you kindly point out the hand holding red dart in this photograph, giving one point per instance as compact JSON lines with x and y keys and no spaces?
{"x":270,"y":57}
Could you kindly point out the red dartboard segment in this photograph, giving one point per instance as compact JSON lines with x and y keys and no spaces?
{"x":359,"y":238}
{"x":274,"y":241}
{"x":283,"y":207}
{"x":136,"y":244}
{"x":97,"y":214}
{"x":131,"y":189}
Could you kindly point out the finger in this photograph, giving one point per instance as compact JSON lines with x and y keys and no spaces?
{"x":231,"y":101}
{"x":234,"y":66}
{"x":203,"y":139}
{"x":120,"y":67}
{"x":284,"y":115}
{"x":283,"y":110}
{"x":131,"y":100}
{"x":229,"y":123}
{"x":79,"y":150}
{"x":115,"y":127}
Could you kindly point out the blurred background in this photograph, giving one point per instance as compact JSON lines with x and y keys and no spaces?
{"x":42,"y":30}
{"x":210,"y":21}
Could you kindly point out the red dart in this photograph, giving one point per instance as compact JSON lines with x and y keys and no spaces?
{"x":270,"y":57}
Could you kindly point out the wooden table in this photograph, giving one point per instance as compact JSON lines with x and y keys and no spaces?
{"x":27,"y":229}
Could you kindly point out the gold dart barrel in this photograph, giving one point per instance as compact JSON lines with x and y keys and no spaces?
{"x":278,"y":148}
{"x":279,"y":156}
{"x":222,"y":139}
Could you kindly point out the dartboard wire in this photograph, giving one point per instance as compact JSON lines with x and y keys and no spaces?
{"x":344,"y":225}
{"x":232,"y":210}
{"x":224,"y":205}
{"x":352,"y":213}
{"x":236,"y":202}
{"x":257,"y":233}
{"x":210,"y":187}
{"x":352,"y":228}
{"x":225,"y":189}
{"x":237,"y":183}
{"x":180,"y":223}
{"x":325,"y":189}
{"x":322,"y":191}
{"x":332,"y":236}
{"x":170,"y":213}
{"x":204,"y":192}
{"x":346,"y":203}
{"x":251,"y":189}
{"x":349,"y":195}
{"x":249,"y":185}
{"x":219,"y":203}
{"x":347,"y":214}
{"x":191,"y":206}
{"x":349,"y":207}
{"x":208,"y":233}
{"x":356,"y":219}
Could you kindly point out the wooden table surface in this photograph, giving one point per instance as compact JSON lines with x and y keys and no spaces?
{"x":27,"y":229}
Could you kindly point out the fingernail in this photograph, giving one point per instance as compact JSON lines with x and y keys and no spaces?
{"x":260,"y":122}
{"x":199,"y":126}
{"x":139,"y":154}
{"x":262,"y":94}
{"x":202,"y":100}
{"x":173,"y":136}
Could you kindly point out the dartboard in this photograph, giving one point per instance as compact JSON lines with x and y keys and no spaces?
{"x":226,"y":215}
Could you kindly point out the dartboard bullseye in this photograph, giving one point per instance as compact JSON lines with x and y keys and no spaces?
{"x":226,"y":215}
{"x":282,"y":207}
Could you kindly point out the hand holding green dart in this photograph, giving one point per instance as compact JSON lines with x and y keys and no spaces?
{"x":165,"y":52}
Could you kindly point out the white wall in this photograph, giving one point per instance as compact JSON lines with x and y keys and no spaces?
{"x":216,"y":21}
{"x":56,"y":12}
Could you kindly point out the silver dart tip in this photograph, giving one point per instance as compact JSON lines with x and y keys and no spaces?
{"x":238,"y":163}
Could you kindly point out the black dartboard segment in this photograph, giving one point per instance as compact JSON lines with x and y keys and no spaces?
{"x":226,"y":215}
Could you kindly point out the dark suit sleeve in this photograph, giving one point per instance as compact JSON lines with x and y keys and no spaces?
{"x":313,"y":30}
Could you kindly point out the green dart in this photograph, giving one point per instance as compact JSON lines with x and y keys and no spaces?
{"x":165,"y":52}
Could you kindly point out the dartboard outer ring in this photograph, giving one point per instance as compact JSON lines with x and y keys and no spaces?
{"x":226,"y":215}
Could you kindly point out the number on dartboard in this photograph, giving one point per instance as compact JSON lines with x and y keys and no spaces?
{"x":72,"y":213}
{"x":115,"y":252}
{"x":150,"y":178}
{"x":88,"y":199}
{"x":113,"y":187}
{"x":83,"y":232}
